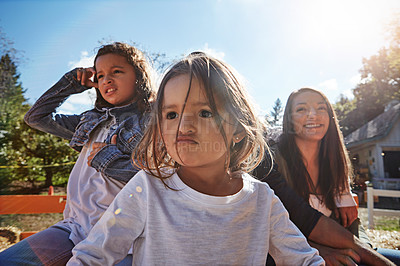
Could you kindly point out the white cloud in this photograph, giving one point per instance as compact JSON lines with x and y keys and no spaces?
{"x":81,"y":102}
{"x":213,"y":52}
{"x":328,"y":85}
{"x":355,"y":80}
{"x":78,"y":103}
{"x":84,"y":61}
{"x":348,"y":93}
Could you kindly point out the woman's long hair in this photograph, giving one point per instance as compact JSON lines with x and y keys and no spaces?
{"x":335,"y":169}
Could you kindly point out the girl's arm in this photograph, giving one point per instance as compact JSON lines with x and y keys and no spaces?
{"x":301,"y":213}
{"x":40,"y":116}
{"x":287,"y":245}
{"x":112,"y":236}
{"x":115,"y":159}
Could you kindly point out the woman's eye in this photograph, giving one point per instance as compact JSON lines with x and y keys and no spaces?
{"x":323,"y":108}
{"x":300,"y":109}
{"x":205,"y":114}
{"x":117,"y":71}
{"x":172,"y":115}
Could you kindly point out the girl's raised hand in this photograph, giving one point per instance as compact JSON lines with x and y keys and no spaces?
{"x":84,"y":75}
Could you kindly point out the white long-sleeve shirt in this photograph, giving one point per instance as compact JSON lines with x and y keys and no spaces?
{"x":186,"y":227}
{"x":89,"y":193}
{"x":345,"y":200}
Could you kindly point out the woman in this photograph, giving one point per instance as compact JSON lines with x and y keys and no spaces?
{"x":311,"y":155}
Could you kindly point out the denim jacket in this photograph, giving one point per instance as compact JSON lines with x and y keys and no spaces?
{"x":112,"y":160}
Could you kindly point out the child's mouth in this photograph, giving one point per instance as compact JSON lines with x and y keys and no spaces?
{"x":110,"y":90}
{"x":188,"y":140}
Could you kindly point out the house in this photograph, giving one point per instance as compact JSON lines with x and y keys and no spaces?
{"x":375,"y":148}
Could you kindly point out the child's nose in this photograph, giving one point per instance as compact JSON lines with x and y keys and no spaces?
{"x":187,"y":124}
{"x":107,"y":79}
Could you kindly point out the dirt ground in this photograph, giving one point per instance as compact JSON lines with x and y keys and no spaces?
{"x":380,"y":238}
{"x":10,"y":234}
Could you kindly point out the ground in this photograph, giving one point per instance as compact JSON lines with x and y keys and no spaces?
{"x":381,"y":238}
{"x":10,"y":234}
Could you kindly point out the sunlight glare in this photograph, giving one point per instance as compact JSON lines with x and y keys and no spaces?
{"x":343,"y":23}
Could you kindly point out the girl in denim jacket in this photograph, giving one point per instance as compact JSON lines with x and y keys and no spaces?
{"x":105,"y":137}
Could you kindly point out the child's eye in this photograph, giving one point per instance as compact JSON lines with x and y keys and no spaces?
{"x":172,"y":115}
{"x":117,"y":71}
{"x":205,"y":114}
{"x":99,"y":76}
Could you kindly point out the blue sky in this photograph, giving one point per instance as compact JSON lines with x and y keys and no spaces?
{"x":277,"y":46}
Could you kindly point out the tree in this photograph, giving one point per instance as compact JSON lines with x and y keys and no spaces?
{"x":275,"y":115}
{"x":11,"y":103}
{"x":39,"y":157}
{"x":380,"y":84}
{"x":26,"y":154}
{"x":344,"y":108}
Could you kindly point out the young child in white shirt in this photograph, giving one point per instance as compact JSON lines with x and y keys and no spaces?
{"x":193,"y":202}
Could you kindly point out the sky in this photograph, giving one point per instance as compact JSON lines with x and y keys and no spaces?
{"x":276,"y":46}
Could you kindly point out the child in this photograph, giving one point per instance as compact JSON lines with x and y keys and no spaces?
{"x":105,"y":137}
{"x":193,"y":203}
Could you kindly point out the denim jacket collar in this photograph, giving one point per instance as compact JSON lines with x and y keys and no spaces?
{"x":92,"y":118}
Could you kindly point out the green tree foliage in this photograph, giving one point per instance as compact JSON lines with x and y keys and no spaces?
{"x":11,"y":93}
{"x":26,"y":154}
{"x":343,"y":108}
{"x":275,"y":116}
{"x":380,"y":84}
{"x":39,"y":157}
{"x":11,"y":105}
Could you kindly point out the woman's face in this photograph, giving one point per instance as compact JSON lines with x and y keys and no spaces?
{"x":310,"y":118}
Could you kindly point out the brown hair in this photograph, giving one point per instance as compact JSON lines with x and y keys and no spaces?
{"x":137,"y":59}
{"x":334,"y":164}
{"x":219,"y":83}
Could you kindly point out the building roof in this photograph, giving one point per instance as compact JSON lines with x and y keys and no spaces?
{"x":377,"y":128}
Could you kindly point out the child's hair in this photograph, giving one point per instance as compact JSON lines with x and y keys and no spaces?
{"x":334,"y":163}
{"x":219,"y":83}
{"x":137,"y":59}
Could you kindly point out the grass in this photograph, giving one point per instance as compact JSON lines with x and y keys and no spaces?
{"x":387,"y":223}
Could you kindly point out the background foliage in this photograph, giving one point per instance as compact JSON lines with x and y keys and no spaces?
{"x":379,"y":85}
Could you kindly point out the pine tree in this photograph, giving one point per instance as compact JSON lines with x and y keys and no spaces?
{"x":275,"y":116}
{"x":25,"y":153}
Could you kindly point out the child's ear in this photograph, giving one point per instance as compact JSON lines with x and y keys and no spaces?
{"x":239,"y":135}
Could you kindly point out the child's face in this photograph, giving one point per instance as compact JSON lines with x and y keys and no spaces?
{"x":310,"y":116}
{"x":198,"y":142}
{"x":116,"y":79}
